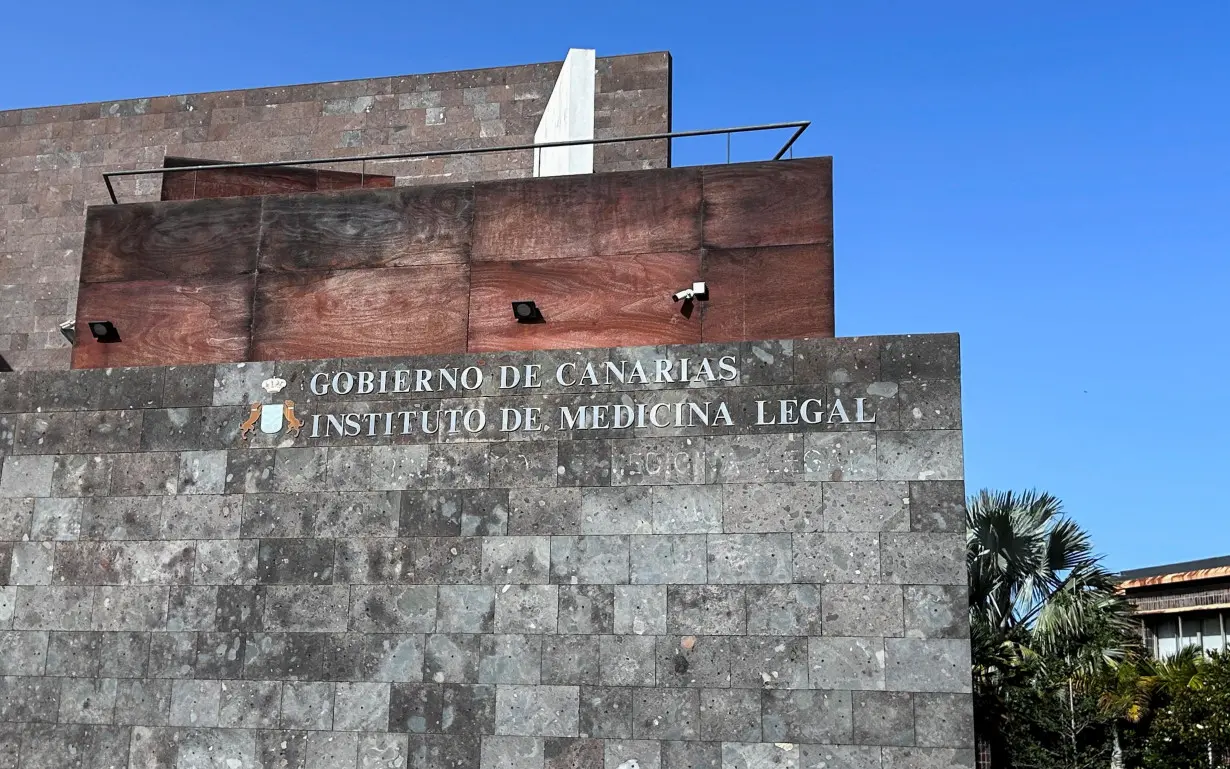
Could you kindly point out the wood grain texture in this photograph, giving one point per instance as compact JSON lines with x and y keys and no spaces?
{"x":568,"y":217}
{"x":780,"y":202}
{"x":777,"y":292}
{"x":367,"y":228}
{"x":153,"y":241}
{"x":348,"y":313}
{"x":244,"y":182}
{"x":599,"y":301}
{"x":166,"y":323}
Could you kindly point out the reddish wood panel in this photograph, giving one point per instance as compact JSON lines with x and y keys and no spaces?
{"x":600,"y":301}
{"x":384,"y":228}
{"x":344,"y":180}
{"x":166,"y":323}
{"x":777,"y":292}
{"x":568,"y":217}
{"x":348,"y":313}
{"x":150,"y":241}
{"x":780,"y":202}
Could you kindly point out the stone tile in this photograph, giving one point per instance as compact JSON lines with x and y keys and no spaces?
{"x":172,"y":655}
{"x":295,"y":561}
{"x":124,"y":655}
{"x":382,"y":751}
{"x":81,"y":475}
{"x":53,"y":608}
{"x":754,"y":458}
{"x":846,"y":663}
{"x":760,"y":755}
{"x":15,"y":517}
{"x":640,"y":609}
{"x":706,"y":610}
{"x":568,"y":752}
{"x":647,"y":754}
{"x":867,"y":506}
{"x":694,"y":661}
{"x":278,"y":515}
{"x":220,"y":655}
{"x":362,"y":707}
{"x":307,"y":705}
{"x":398,"y":467}
{"x":691,"y":755}
{"x":357,"y":514}
{"x":837,"y":557}
{"x":225,"y":562}
{"x":730,"y":715}
{"x":930,"y":404}
{"x":136,"y":475}
{"x":390,"y":609}
{"x":240,"y":608}
{"x":202,"y":472}
{"x":918,"y":557}
{"x":840,"y":456}
{"x":192,"y":608}
{"x":30,"y":563}
{"x":927,"y":665}
{"x":466,"y":609}
{"x":658,"y":462}
{"x":620,"y":510}
{"x":56,"y":519}
{"x":749,"y":558}
{"x":332,"y":750}
{"x":687,"y":509}
{"x":861,"y":608}
{"x":8,"y":604}
{"x":452,"y":750}
{"x":928,"y":758}
{"x":249,"y":704}
{"x":121,"y":518}
{"x":239,"y":384}
{"x":668,"y":559}
{"x":883,"y":718}
{"x":936,"y":611}
{"x":769,"y":662}
{"x":280,"y":748}
{"x":484,"y":512}
{"x":29,"y":698}
{"x":943,"y":720}
{"x":512,"y":753}
{"x":448,"y":560}
{"x":314,"y":608}
{"x":772,"y":507}
{"x":516,"y":560}
{"x":589,"y":560}
{"x":395,"y":657}
{"x":766,"y":362}
{"x":583,"y":463}
{"x":430,"y":514}
{"x":550,"y":711}
{"x":510,"y":659}
{"x":26,"y":476}
{"x":143,"y":702}
{"x":937,"y":506}
{"x":571,"y":659}
{"x":586,"y":609}
{"x":920,"y":356}
{"x":524,"y":464}
{"x":26,"y":653}
{"x":628,"y":660}
{"x":452,"y":658}
{"x":800,"y":715}
{"x":195,"y":703}
{"x":784,"y":610}
{"x":129,"y":608}
{"x":666,"y":714}
{"x":527,"y":609}
{"x":606,"y":712}
{"x":348,"y":468}
{"x":922,"y":455}
{"x":544,"y":511}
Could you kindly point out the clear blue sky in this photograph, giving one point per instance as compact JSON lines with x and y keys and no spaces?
{"x":1052,"y":181}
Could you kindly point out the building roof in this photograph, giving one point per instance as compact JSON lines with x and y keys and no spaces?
{"x":1176,"y":568}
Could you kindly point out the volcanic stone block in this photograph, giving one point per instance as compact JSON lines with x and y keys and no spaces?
{"x":706,"y":610}
{"x":646,"y":753}
{"x":551,"y":711}
{"x":807,"y":716}
{"x":867,"y":506}
{"x":527,"y":609}
{"x":129,"y":608}
{"x":250,"y":704}
{"x":640,"y":609}
{"x":920,"y":557}
{"x":589,"y":560}
{"x":25,"y":653}
{"x":687,"y":509}
{"x":846,"y":756}
{"x":571,"y":659}
{"x":569,"y":753}
{"x":385,"y":608}
{"x":846,"y":663}
{"x":452,"y":657}
{"x":943,"y":720}
{"x":361,"y":707}
{"x":937,"y":506}
{"x":666,"y":714}
{"x":928,"y":758}
{"x":583,"y":463}
{"x":851,"y":609}
{"x":924,"y":455}
{"x":324,"y":608}
{"x":927,"y":665}
{"x":295,"y":561}
{"x":521,"y":560}
{"x":26,"y":476}
{"x":694,"y":661}
{"x":307,"y":705}
{"x":466,"y":609}
{"x":936,"y":611}
{"x":510,"y":659}
{"x":883,"y":718}
{"x":606,"y":711}
{"x":30,"y":563}
{"x":506,"y":752}
{"x":628,"y":660}
{"x":544,"y":511}
{"x":920,"y":356}
{"x":667,"y":559}
{"x":769,"y":662}
{"x":749,"y":558}
{"x":783,"y":610}
{"x":195,"y":703}
{"x":730,"y":715}
{"x":840,"y":456}
{"x":616,"y":511}
{"x":143,"y":701}
{"x":833,"y":557}
{"x":771,"y":507}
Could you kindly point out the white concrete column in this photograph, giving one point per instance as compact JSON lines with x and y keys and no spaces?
{"x":569,"y":116}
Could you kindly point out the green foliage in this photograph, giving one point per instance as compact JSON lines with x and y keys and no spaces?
{"x":1191,"y":727}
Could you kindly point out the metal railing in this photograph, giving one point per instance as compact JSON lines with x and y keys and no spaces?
{"x":799,"y":126}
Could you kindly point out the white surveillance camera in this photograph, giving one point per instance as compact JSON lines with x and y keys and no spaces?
{"x":697,"y":291}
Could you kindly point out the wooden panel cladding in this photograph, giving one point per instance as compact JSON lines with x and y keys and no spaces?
{"x":776,"y":203}
{"x":416,"y":270}
{"x":148,"y":241}
{"x":166,"y":323}
{"x":346,"y":313}
{"x":394,"y":228}
{"x":775,"y":292}
{"x":244,"y":182}
{"x":594,"y":302}
{"x":570,"y":217}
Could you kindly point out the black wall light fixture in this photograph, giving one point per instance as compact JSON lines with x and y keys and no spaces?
{"x":527,"y":312}
{"x":104,"y":331}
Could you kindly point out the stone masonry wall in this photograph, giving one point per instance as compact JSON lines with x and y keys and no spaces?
{"x":740,"y":595}
{"x":52,"y":158}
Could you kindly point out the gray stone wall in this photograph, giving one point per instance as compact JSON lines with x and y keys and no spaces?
{"x":52,"y":158}
{"x":734,"y":595}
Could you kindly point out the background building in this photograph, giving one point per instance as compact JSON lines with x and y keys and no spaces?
{"x":1181,"y":604}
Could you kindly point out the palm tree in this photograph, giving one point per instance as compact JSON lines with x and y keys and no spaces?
{"x":1040,"y":602}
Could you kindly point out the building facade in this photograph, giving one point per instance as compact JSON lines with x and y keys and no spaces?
{"x":1181,"y":604}
{"x":323,"y":500}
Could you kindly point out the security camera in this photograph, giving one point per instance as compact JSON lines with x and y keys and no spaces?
{"x":69,"y":329}
{"x":697,"y":291}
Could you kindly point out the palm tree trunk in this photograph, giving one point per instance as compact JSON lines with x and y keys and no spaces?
{"x":1116,"y":751}
{"x":1072,"y":720}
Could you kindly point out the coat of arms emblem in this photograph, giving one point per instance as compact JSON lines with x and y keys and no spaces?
{"x":271,"y":417}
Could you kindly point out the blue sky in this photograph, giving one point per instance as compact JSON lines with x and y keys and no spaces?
{"x":1050,"y":180}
